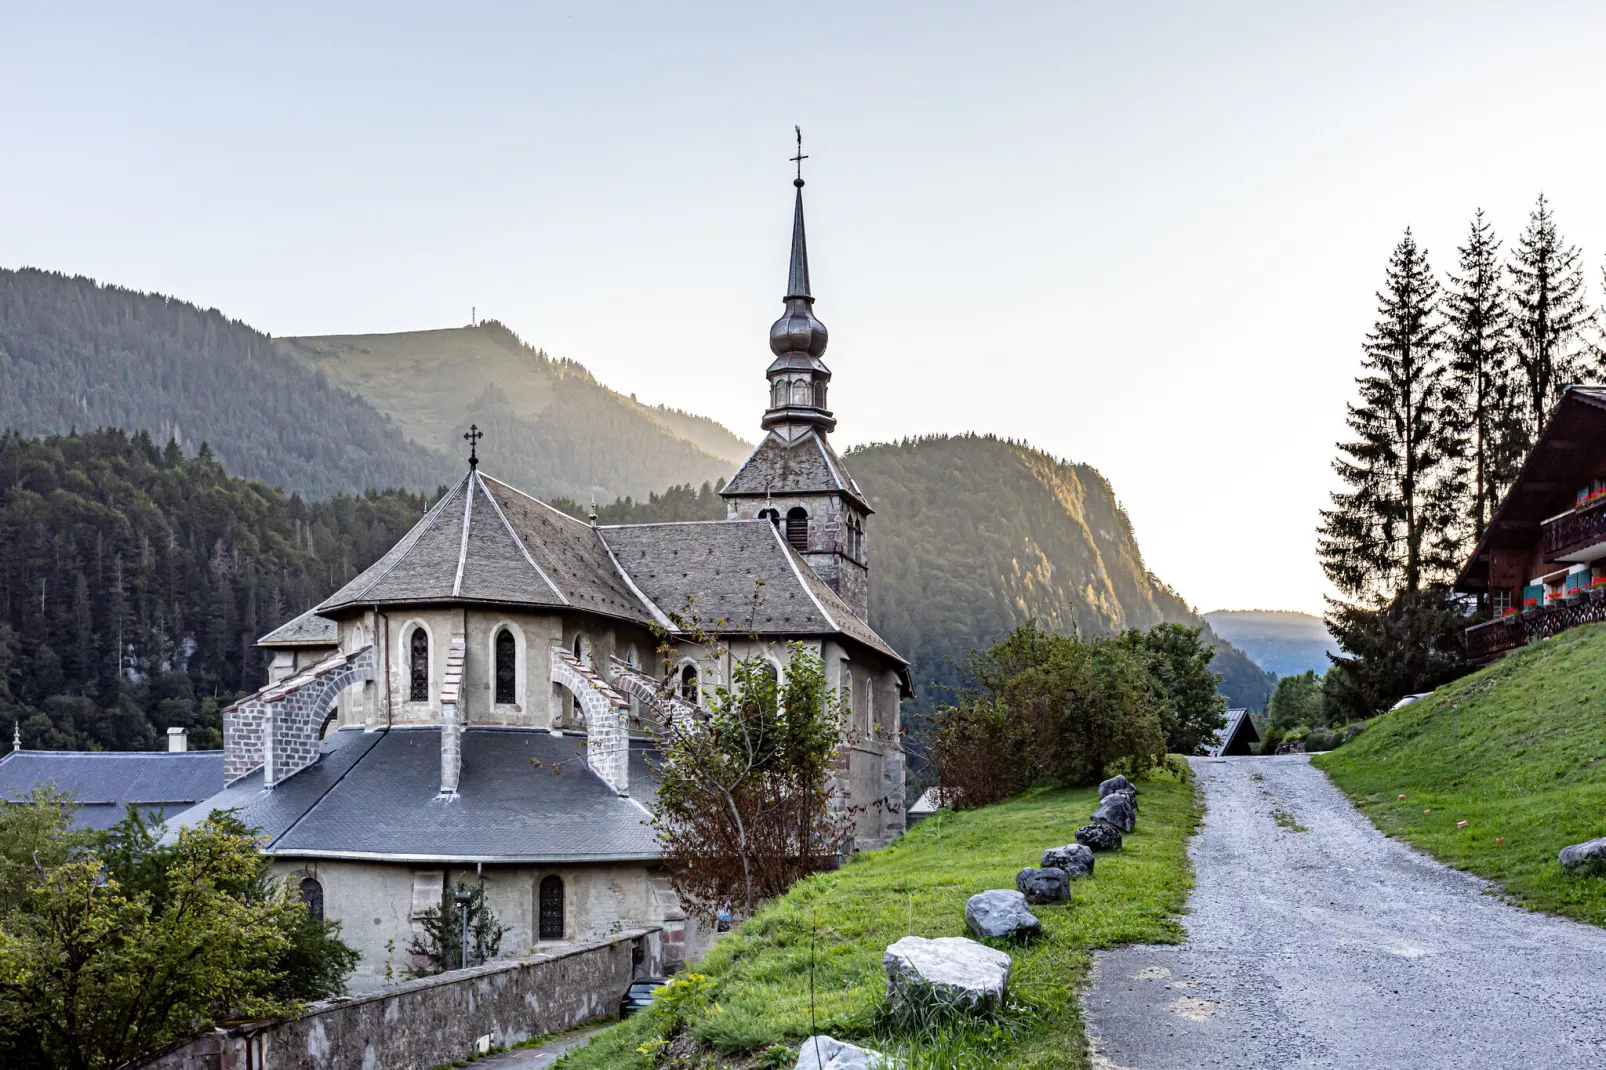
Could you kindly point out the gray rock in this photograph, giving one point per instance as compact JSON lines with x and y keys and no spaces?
{"x":1115,"y":783}
{"x":951,"y":971}
{"x":1001,"y":914}
{"x":1074,"y":858}
{"x":1586,"y":857}
{"x":1130,"y":795}
{"x":1117,"y":810}
{"x":1099,"y":837}
{"x":828,"y":1053}
{"x":1044,"y":885}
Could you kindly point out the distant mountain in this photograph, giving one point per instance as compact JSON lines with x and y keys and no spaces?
{"x":551,"y":428}
{"x":1280,"y":641}
{"x":77,"y":354}
{"x":975,"y":535}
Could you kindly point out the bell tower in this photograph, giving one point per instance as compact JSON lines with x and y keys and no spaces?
{"x":794,"y":479}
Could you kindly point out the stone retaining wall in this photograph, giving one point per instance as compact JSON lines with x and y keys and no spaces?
{"x":423,"y":1024}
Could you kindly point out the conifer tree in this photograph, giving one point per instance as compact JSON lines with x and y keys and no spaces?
{"x":1549,"y":313}
{"x":1485,"y":399}
{"x":1378,"y":539}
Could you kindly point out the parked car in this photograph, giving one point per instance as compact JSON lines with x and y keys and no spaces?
{"x":639,"y":995}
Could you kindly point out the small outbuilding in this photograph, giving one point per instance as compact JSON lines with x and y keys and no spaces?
{"x":1237,"y":738}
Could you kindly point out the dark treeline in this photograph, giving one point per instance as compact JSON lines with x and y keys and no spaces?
{"x":678,"y":503}
{"x":1458,"y":376}
{"x":134,"y":581}
{"x":74,"y":353}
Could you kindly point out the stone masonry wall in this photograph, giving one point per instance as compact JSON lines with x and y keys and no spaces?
{"x":245,"y":739}
{"x":436,"y":1020}
{"x":607,"y":714}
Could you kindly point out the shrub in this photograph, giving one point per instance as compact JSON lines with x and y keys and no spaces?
{"x":1271,"y":741}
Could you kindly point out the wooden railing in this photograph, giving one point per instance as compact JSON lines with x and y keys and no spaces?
{"x":1576,"y":530}
{"x":1507,"y":633}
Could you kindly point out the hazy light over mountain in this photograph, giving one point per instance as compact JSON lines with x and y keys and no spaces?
{"x":1146,"y":241}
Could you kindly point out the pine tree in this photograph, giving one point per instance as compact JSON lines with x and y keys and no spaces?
{"x":1485,"y":396}
{"x":1549,"y":311}
{"x":1377,"y":540}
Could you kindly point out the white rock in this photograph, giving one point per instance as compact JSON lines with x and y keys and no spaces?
{"x":1000,"y":913}
{"x":948,"y":970}
{"x":829,"y":1053}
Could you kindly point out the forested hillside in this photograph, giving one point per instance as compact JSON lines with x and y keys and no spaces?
{"x":973,"y":536}
{"x":134,"y":582}
{"x":74,"y":353}
{"x":550,"y":428}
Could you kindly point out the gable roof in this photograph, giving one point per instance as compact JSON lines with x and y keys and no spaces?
{"x":1239,"y":729}
{"x":376,"y":795}
{"x":1568,"y":453}
{"x":808,"y":465}
{"x":106,"y":783}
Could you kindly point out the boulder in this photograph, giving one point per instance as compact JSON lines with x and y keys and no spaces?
{"x":1117,"y":810}
{"x":1074,"y":858}
{"x":1001,"y":914}
{"x":1129,"y":795}
{"x":1044,"y":885}
{"x":1099,"y":837}
{"x":1586,"y":857}
{"x":953,"y":972}
{"x":829,"y":1053}
{"x":1116,"y":783}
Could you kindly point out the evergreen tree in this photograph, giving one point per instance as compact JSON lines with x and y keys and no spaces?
{"x":1380,"y":536}
{"x":1485,"y":396}
{"x":1549,"y":311}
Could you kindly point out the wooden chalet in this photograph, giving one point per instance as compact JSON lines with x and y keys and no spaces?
{"x":1540,"y":568}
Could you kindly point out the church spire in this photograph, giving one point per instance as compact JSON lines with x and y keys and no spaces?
{"x":797,"y":376}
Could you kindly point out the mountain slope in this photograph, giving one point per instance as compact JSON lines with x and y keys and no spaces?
{"x":975,"y":535}
{"x":551,"y":428}
{"x":1279,"y":641}
{"x":74,"y":353}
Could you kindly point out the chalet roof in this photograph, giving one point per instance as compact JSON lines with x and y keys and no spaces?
{"x":1240,"y":728}
{"x":744,"y":576}
{"x":309,"y":629}
{"x":376,"y":795}
{"x":808,"y":465}
{"x":1570,"y":451}
{"x":106,"y":783}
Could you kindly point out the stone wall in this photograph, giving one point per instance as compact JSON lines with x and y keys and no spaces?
{"x":436,"y":1020}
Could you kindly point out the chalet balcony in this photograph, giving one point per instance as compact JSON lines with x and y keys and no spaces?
{"x":1577,"y":536}
{"x":1494,"y":637}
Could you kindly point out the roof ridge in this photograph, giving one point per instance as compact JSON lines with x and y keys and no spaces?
{"x":538,"y":501}
{"x":523,"y":549}
{"x":407,"y":542}
{"x":462,"y":547}
{"x":652,"y":607}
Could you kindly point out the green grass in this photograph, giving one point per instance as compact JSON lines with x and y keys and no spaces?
{"x":760,"y":974}
{"x":1517,"y":751}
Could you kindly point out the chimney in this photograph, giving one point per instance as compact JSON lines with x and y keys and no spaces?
{"x":178,"y":740}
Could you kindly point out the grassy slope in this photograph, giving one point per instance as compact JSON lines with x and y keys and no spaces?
{"x":919,"y":885}
{"x":1517,"y":750}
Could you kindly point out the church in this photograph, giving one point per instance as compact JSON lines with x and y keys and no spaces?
{"x":475,"y":705}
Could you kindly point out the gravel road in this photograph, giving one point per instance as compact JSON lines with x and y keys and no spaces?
{"x":1330,"y":945}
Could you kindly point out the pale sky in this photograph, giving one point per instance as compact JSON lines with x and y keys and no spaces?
{"x":1145,"y":239}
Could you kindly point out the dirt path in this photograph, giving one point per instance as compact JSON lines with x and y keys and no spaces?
{"x":1315,"y":941}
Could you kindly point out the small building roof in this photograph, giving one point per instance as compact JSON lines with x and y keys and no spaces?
{"x":1237,"y":736}
{"x":376,"y":796}
{"x":307,"y":630}
{"x":106,"y":783}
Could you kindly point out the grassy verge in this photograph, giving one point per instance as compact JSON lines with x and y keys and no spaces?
{"x":843,"y":921}
{"x":1517,"y":751}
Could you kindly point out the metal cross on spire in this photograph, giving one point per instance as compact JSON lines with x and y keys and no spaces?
{"x":799,"y":158}
{"x":473,"y":436}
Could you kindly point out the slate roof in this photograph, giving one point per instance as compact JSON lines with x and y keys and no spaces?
{"x":106,"y":782}
{"x":309,"y":629}
{"x":721,"y":562}
{"x":375,"y":795}
{"x":1238,"y":725}
{"x":807,"y":465}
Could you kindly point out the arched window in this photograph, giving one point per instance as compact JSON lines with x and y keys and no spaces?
{"x":418,"y":691}
{"x":688,"y":684}
{"x":778,"y":394}
{"x":802,"y":392}
{"x":797,"y":527}
{"x":312,"y":896}
{"x":550,"y":908}
{"x":819,"y":394}
{"x":506,"y":666}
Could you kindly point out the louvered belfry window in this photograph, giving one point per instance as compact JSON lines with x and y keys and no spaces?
{"x":551,"y":908}
{"x":419,"y":647}
{"x":797,"y":528}
{"x":506,"y":651}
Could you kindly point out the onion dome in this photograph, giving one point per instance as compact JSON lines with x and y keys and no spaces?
{"x":798,"y":331}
